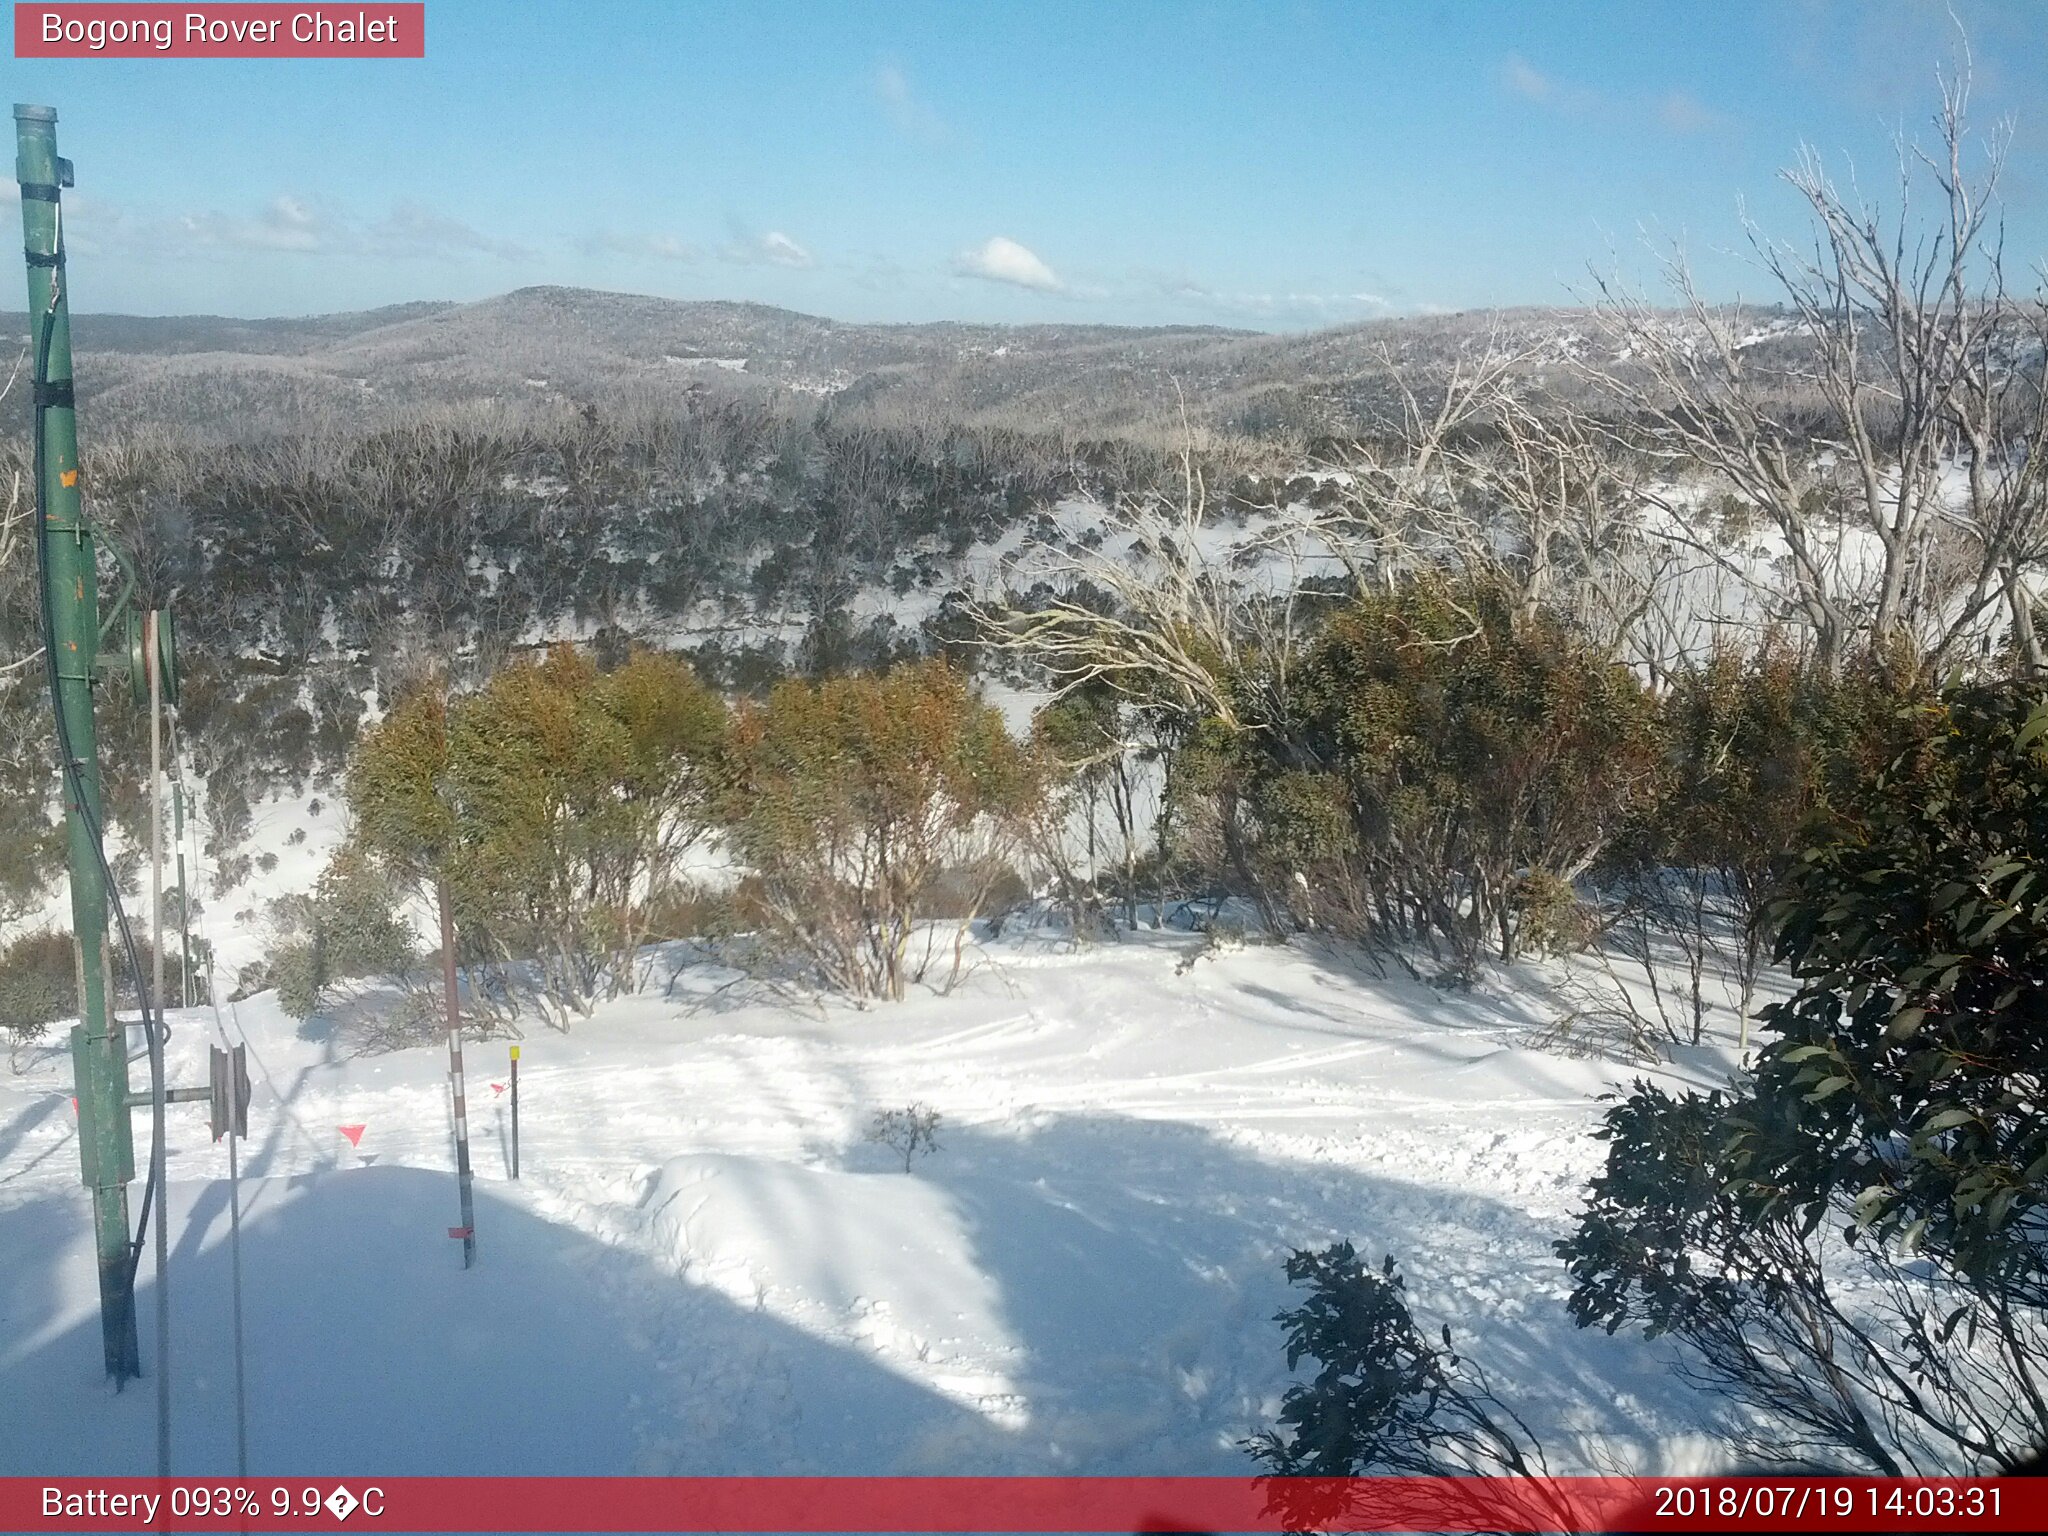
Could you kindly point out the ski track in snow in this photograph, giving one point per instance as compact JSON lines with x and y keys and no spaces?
{"x":707,"y":1269}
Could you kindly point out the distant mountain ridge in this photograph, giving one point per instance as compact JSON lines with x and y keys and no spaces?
{"x":631,"y":320}
{"x":170,"y":334}
{"x":240,"y":375}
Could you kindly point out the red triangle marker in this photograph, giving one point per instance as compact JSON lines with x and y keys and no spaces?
{"x":497,"y":1087}
{"x":354,"y":1133}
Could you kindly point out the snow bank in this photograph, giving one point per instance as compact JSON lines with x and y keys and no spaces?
{"x":707,"y":1269}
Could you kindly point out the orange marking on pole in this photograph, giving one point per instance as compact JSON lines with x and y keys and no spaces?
{"x":68,"y":479}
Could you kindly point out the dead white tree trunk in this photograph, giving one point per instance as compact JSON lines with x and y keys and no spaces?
{"x":1889,"y":423}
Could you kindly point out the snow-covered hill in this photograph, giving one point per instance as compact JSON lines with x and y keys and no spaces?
{"x":707,"y":1269}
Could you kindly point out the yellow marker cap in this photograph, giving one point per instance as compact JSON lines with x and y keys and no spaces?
{"x":515,"y":1053}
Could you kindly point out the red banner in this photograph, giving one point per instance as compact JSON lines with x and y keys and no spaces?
{"x":1015,"y":1504}
{"x":321,"y":31}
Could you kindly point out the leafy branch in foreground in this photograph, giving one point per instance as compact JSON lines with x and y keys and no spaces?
{"x":1854,"y":1244}
{"x":1388,"y":1400}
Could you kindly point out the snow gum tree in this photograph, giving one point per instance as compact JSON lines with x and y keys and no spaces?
{"x":1097,"y":739}
{"x":1896,"y":451}
{"x":550,"y":808}
{"x":397,"y":793}
{"x":398,"y":797}
{"x":849,"y":798}
{"x":577,"y":792}
{"x":1446,"y":763}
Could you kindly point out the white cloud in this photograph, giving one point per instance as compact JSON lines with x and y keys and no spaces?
{"x":413,"y":229}
{"x":1277,"y":307}
{"x":284,"y":224}
{"x":1003,"y":260}
{"x":745,"y":248}
{"x":1675,"y":111}
{"x":909,"y":112}
{"x":777,"y":248}
{"x":1524,"y":79}
{"x":296,"y":226}
{"x":1682,"y":112}
{"x":654,"y":247}
{"x":770,"y":248}
{"x":291,"y":213}
{"x":878,"y":274}
{"x":1296,"y":308}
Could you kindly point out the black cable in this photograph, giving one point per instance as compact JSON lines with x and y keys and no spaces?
{"x":152,"y":1024}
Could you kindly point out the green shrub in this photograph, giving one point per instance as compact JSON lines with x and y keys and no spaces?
{"x":550,"y":809}
{"x":1759,"y":750}
{"x":1439,"y":752}
{"x":351,"y":926}
{"x":1386,"y":1399}
{"x":1852,"y":1243}
{"x":852,"y":799}
{"x":38,"y":986}
{"x":575,"y":794}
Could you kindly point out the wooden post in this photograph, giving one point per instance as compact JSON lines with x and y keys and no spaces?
{"x":515,"y":1111}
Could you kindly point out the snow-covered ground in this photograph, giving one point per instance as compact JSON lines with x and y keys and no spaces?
{"x":707,"y":1269}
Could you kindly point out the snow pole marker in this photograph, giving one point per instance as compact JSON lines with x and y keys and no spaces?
{"x":467,"y":1231}
{"x":515,"y":1111}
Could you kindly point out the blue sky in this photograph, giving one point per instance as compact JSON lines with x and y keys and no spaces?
{"x":1274,"y":165}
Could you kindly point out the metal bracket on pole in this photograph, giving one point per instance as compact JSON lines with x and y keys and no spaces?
{"x":228,"y":1090}
{"x":166,"y":655}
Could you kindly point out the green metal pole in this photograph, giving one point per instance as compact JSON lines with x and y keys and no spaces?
{"x":98,"y":1045}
